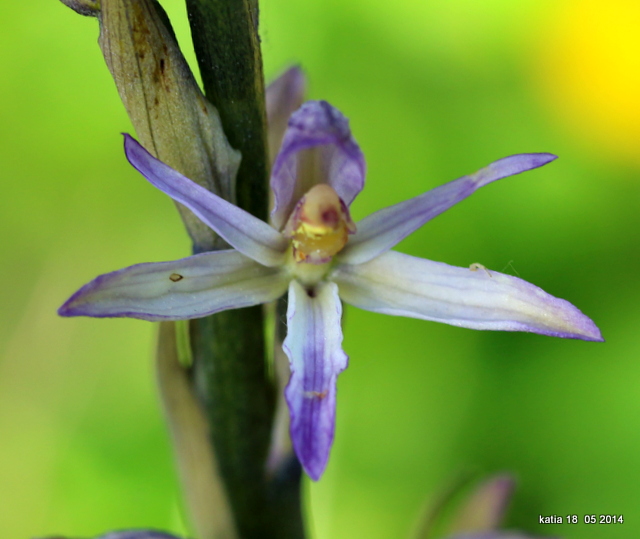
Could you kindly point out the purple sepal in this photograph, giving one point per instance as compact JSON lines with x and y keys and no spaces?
{"x":248,"y":234}
{"x":138,"y":534}
{"x":475,"y":298}
{"x":192,"y":287}
{"x":283,"y":96}
{"x":497,"y":535}
{"x":314,"y":348}
{"x":317,"y":148}
{"x":380,"y":231}
{"x":132,"y":534}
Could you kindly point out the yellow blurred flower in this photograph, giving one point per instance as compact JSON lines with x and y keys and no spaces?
{"x":589,"y":66}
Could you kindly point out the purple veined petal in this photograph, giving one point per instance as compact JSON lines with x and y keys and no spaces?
{"x":138,"y":534}
{"x":314,"y":348}
{"x":403,"y":285}
{"x":192,"y":287}
{"x":497,"y":535}
{"x":134,"y":534}
{"x":317,"y":148}
{"x":283,"y":96}
{"x":248,"y":234}
{"x":385,"y":228}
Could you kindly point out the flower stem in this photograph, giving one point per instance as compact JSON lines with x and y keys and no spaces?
{"x":230,"y":378}
{"x":225,"y":37}
{"x":230,"y":372}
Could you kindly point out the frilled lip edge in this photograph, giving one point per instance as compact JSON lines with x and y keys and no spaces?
{"x":314,"y":348}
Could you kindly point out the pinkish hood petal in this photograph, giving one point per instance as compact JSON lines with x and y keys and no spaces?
{"x":317,"y":148}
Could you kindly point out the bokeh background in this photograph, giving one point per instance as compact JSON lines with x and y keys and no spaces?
{"x":434,"y":90}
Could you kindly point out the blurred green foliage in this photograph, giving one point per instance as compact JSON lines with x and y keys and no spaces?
{"x":434,"y":90}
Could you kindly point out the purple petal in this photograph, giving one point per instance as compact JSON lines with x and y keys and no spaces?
{"x":134,"y":534}
{"x":317,"y":148}
{"x":283,"y":96}
{"x":314,"y":348}
{"x":497,"y":535}
{"x":403,"y":285}
{"x":246,"y":233}
{"x":138,"y":534}
{"x":189,"y":288}
{"x":380,"y":231}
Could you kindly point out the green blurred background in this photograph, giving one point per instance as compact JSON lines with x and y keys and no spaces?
{"x":434,"y":90}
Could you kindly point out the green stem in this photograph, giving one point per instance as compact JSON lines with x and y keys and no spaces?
{"x":227,"y":46}
{"x":231,"y":380}
{"x":230,"y":370}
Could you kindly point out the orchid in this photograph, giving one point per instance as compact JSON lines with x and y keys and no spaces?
{"x":314,"y":250}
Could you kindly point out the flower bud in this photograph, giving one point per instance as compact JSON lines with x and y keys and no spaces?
{"x":283,"y":96}
{"x":484,"y":508}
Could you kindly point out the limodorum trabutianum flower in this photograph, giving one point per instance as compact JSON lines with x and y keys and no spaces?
{"x":314,"y":251}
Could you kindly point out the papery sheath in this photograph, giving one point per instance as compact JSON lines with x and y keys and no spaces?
{"x":385,"y":228}
{"x":403,"y":285}
{"x":170,"y":114}
{"x":314,"y":348}
{"x":317,"y":148}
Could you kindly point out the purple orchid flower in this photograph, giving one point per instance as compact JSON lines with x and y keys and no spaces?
{"x":132,"y":534}
{"x":315,"y":251}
